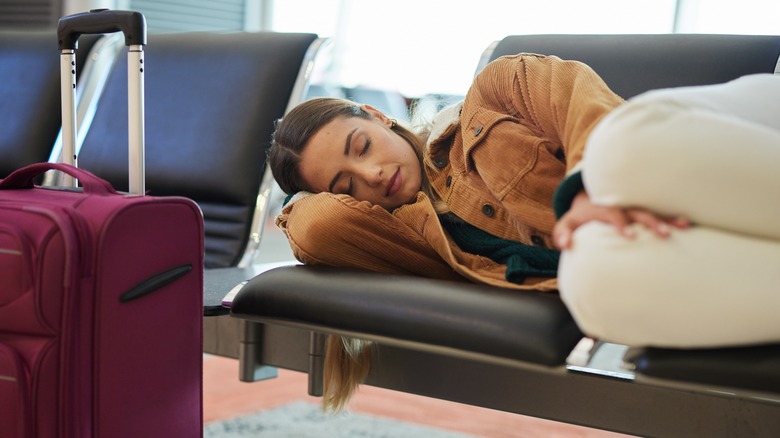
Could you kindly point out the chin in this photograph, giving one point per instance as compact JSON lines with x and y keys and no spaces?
{"x":411,"y":198}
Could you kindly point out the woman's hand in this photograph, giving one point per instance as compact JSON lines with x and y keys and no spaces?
{"x":583,"y":211}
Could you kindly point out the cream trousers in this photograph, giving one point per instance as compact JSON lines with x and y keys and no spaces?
{"x":709,"y":153}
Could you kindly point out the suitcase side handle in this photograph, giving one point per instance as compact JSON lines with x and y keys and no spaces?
{"x":131,"y":23}
{"x":23,"y":178}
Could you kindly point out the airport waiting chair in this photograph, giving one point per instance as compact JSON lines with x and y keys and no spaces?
{"x":211,"y":100}
{"x":30,"y":95}
{"x":506,"y":349}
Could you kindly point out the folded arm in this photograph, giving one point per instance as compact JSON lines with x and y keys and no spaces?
{"x":337,"y":230}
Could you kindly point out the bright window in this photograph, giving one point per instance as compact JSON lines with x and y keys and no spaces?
{"x":432,"y":46}
{"x":750,"y":17}
{"x":429,"y":46}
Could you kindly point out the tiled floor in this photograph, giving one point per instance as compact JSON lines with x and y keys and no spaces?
{"x":225,"y":396}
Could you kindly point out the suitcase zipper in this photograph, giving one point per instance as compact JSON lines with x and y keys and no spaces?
{"x":77,"y":272}
{"x":80,"y":237}
{"x":19,"y":263}
{"x":14,"y":386}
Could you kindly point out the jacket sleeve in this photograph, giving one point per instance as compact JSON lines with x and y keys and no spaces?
{"x":556,"y":101}
{"x":337,"y":230}
{"x":560,"y":100}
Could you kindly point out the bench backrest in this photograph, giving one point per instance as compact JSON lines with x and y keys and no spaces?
{"x":211,"y":101}
{"x":30,"y":95}
{"x":632,"y":64}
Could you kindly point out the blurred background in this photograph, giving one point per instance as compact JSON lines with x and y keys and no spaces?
{"x":391,"y":52}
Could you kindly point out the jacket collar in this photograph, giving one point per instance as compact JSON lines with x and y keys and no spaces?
{"x":444,"y":122}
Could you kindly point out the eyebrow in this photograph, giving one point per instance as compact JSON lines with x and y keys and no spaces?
{"x":347,"y":144}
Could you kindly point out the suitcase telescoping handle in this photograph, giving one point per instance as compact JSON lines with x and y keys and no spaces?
{"x":98,"y":21}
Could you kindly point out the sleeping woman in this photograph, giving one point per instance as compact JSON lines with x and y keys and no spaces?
{"x":544,"y":179}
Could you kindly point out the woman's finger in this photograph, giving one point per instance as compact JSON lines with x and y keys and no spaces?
{"x":651,"y":221}
{"x":562,"y":232}
{"x":620,"y":219}
{"x":680,"y":222}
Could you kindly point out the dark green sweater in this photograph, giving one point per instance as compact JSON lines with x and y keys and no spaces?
{"x":521,"y":261}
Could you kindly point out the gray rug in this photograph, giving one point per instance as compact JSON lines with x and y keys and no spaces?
{"x":305,"y":420}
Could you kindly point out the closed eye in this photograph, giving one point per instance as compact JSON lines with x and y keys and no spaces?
{"x":350,"y":188}
{"x":365,"y":148}
{"x":341,"y":190}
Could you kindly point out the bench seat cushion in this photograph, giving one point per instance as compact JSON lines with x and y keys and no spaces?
{"x":750,"y":367}
{"x":518,"y":325}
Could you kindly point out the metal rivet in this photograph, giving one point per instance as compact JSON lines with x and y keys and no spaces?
{"x":488,"y":210}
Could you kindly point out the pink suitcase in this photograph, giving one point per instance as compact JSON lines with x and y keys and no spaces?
{"x":101,"y":298}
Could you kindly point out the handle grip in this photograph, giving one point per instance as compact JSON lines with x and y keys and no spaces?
{"x":23,"y":178}
{"x":131,"y":23}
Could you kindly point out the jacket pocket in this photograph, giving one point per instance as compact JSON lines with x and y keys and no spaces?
{"x":14,"y":395}
{"x":477,"y":128}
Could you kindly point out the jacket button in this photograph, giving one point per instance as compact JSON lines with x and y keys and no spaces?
{"x":488,"y":210}
{"x":477,"y":131}
{"x":448,"y":181}
{"x":440,"y":161}
{"x":537,"y":240}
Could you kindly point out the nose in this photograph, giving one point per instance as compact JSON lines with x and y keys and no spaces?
{"x":372,"y":175}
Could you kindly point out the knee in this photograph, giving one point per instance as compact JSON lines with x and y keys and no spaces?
{"x":599,"y":282}
{"x":635,"y":137}
{"x":584,"y":279}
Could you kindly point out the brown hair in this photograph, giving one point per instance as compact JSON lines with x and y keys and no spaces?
{"x":346,"y":365}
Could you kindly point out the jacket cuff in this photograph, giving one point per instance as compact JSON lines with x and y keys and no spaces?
{"x":567,"y":190}
{"x":292,"y":197}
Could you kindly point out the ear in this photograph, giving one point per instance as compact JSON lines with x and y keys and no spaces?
{"x":379,"y":115}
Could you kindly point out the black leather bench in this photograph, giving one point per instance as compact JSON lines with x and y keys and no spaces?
{"x":508,"y":350}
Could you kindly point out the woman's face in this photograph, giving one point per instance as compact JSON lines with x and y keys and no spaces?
{"x":363,"y":158}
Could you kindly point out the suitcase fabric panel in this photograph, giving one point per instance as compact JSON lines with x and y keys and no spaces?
{"x":15,"y":264}
{"x":35,"y":257}
{"x":14,"y":395}
{"x":151,"y":342}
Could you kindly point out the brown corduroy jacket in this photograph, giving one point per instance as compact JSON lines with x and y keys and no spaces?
{"x":496,"y":160}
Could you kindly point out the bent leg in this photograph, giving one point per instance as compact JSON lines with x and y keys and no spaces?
{"x":699,"y":288}
{"x":709,"y":153}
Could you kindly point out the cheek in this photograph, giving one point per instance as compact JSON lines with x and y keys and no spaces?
{"x":417,"y":179}
{"x":414,"y":175}
{"x":405,"y":151}
{"x":413,"y":161}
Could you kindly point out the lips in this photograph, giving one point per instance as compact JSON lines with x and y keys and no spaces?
{"x":394,"y":184}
